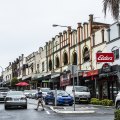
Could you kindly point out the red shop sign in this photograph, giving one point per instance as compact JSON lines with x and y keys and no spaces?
{"x":65,"y":80}
{"x":90,"y":73}
{"x":104,"y":57}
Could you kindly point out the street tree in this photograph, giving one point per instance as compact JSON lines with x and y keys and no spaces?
{"x":14,"y":82}
{"x":113,"y":6}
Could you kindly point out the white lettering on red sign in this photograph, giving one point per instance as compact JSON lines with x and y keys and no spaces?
{"x":105,"y":57}
{"x":102,"y":57}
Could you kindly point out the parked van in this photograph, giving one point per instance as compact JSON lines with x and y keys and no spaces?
{"x":82,"y":93}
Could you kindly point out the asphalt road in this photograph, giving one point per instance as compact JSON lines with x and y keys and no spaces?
{"x":31,"y":114}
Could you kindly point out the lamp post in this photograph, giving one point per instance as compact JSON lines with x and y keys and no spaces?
{"x":77,"y":71}
{"x":2,"y":74}
{"x":73,"y":66}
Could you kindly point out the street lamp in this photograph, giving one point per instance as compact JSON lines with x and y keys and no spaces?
{"x":73,"y":66}
{"x":2,"y":74}
{"x":55,"y":25}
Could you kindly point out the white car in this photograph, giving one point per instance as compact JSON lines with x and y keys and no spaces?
{"x":82,"y":93}
{"x":117,"y":101}
{"x":26,"y":93}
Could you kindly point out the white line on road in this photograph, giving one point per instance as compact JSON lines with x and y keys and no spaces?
{"x":47,"y":112}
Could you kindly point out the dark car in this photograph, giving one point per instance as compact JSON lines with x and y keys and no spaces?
{"x":63,"y":98}
{"x":3,"y":93}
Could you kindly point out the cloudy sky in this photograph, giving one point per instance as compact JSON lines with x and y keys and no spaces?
{"x":25,"y":25}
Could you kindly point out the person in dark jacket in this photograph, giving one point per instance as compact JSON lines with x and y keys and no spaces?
{"x":40,"y":99}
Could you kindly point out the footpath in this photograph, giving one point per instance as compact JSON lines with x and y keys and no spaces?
{"x":66,"y":109}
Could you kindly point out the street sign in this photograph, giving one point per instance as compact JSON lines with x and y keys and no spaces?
{"x":73,"y":69}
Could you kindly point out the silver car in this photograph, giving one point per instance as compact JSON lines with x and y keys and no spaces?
{"x":15,"y":98}
{"x":3,"y":93}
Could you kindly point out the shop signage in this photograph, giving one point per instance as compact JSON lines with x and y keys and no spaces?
{"x":106,"y":68}
{"x":104,"y":57}
{"x":90,"y":73}
{"x":65,"y":80}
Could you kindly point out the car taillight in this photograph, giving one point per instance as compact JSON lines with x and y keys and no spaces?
{"x":23,"y":98}
{"x":8,"y":98}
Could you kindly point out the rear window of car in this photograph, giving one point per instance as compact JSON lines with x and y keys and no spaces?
{"x":45,"y":89}
{"x":15,"y":93}
{"x":4,"y":89}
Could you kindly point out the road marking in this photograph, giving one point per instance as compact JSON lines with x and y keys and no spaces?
{"x":47,"y":112}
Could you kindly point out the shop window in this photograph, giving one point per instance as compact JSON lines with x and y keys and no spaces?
{"x":86,"y":54}
{"x":115,"y":50}
{"x":74,"y":58}
{"x":65,"y":59}
{"x":50,"y":65}
{"x":57,"y":62}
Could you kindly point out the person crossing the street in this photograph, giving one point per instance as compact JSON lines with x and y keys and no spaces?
{"x":39,"y":98}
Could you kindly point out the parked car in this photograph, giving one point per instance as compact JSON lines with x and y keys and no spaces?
{"x":26,"y":93}
{"x":82,"y":93}
{"x":117,"y":101}
{"x":3,"y":93}
{"x":62,"y":98}
{"x":32,"y":94}
{"x":15,"y":98}
{"x":45,"y":91}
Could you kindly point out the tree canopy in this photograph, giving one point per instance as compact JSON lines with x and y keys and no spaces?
{"x":113,"y":6}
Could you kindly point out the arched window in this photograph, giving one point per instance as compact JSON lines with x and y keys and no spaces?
{"x":86,"y":54}
{"x":115,"y":50}
{"x":50,"y":65}
{"x":65,"y":58}
{"x":74,"y":58}
{"x":57,"y":63}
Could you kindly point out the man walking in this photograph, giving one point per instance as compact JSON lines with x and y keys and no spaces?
{"x":40,"y":99}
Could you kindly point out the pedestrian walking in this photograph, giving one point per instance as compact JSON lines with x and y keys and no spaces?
{"x":39,"y":98}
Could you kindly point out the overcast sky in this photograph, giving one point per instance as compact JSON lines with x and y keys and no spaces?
{"x":25,"y":25}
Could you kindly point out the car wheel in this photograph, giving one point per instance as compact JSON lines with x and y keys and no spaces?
{"x":25,"y":107}
{"x":46,"y":103}
{"x":70,"y":104}
{"x":118,"y":105}
{"x":6,"y":107}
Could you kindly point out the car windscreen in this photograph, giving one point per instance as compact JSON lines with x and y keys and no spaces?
{"x":15,"y":93}
{"x":33,"y":91}
{"x":45,"y":89}
{"x":81,"y":89}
